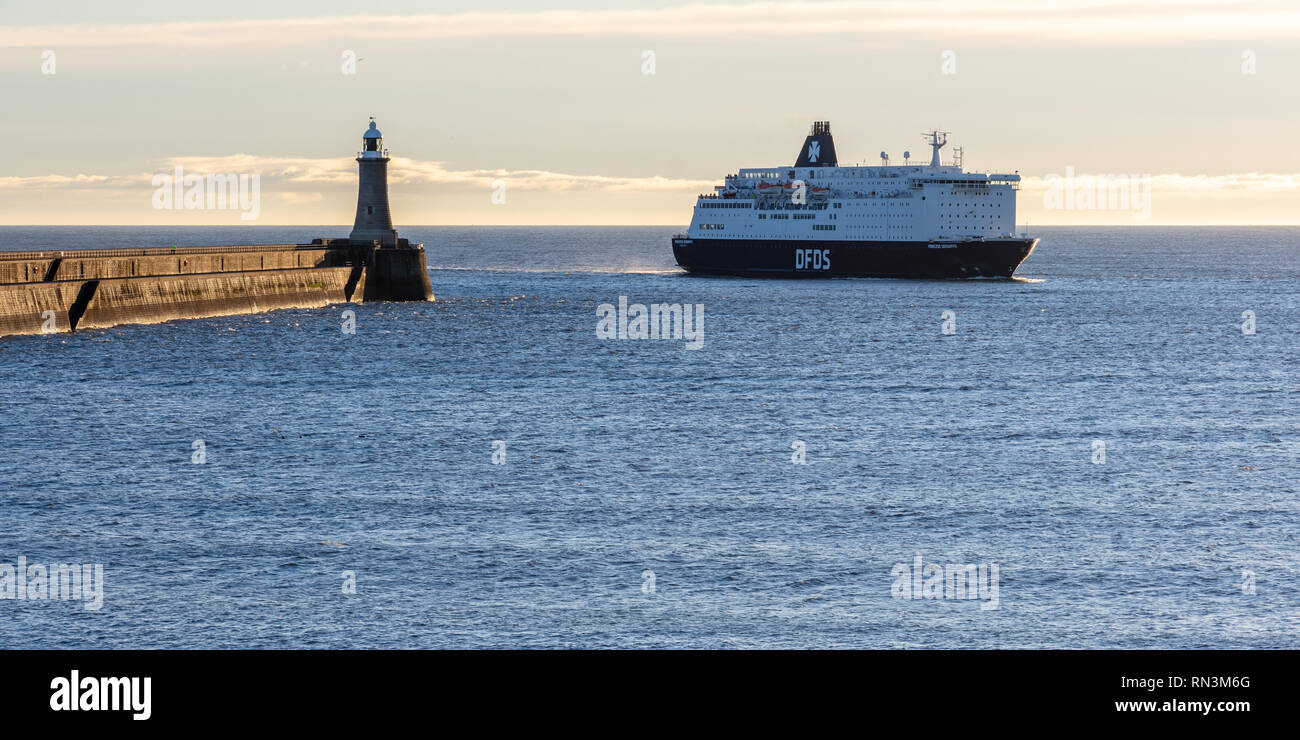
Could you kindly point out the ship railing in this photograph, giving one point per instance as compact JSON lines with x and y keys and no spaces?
{"x":877,"y":194}
{"x":784,"y":206}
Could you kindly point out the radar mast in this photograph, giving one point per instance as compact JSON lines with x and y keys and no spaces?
{"x":936,"y":139}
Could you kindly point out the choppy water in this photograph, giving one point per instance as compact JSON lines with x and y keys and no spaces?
{"x":628,"y":456}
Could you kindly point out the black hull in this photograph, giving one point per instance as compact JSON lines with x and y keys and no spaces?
{"x":988,"y":258}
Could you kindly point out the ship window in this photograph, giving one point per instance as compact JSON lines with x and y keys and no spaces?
{"x":370,"y":210}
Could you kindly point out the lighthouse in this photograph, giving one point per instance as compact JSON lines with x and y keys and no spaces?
{"x":374,"y":220}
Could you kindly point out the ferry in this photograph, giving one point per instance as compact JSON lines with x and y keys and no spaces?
{"x":821,"y":219}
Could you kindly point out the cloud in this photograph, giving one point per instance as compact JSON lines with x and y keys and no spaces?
{"x":335,"y":171}
{"x":73,"y":182}
{"x":301,"y":198}
{"x":1260,"y":182}
{"x":287,"y":172}
{"x":1131,"y":21}
{"x":307,"y":190}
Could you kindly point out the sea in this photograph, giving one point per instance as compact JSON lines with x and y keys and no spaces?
{"x":1103,"y":452}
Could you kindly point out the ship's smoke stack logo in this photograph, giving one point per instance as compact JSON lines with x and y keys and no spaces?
{"x":814,"y":151}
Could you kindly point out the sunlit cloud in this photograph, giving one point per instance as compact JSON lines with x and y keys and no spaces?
{"x":314,"y":172}
{"x":1145,"y":21}
{"x":72,"y":182}
{"x":303,"y":189}
{"x":1261,"y":182}
{"x":305,"y":171}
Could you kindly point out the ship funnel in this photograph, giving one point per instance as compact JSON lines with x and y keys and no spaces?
{"x":819,"y":148}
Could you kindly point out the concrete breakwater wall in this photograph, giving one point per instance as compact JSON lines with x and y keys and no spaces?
{"x":96,"y":264}
{"x":63,"y":291}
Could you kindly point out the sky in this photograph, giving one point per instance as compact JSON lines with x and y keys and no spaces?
{"x":622,"y":112}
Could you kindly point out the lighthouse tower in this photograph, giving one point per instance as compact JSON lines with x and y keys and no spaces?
{"x":374,"y":220}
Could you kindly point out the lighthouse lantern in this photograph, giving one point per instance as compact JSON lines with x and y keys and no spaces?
{"x":372,"y":141}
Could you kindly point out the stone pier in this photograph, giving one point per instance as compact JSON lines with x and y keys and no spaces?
{"x":64,"y":291}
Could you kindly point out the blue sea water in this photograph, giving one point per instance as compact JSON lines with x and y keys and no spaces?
{"x":373,"y":453}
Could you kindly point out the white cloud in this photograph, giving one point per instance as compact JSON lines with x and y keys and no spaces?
{"x":73,"y":182}
{"x":315,"y":172}
{"x":301,"y":198}
{"x":1261,"y":182}
{"x":287,"y":172}
{"x":1130,"y":21}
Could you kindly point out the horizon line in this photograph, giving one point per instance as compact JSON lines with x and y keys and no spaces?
{"x":563,"y":226}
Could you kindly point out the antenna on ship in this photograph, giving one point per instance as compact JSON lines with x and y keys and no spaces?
{"x":935,"y":139}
